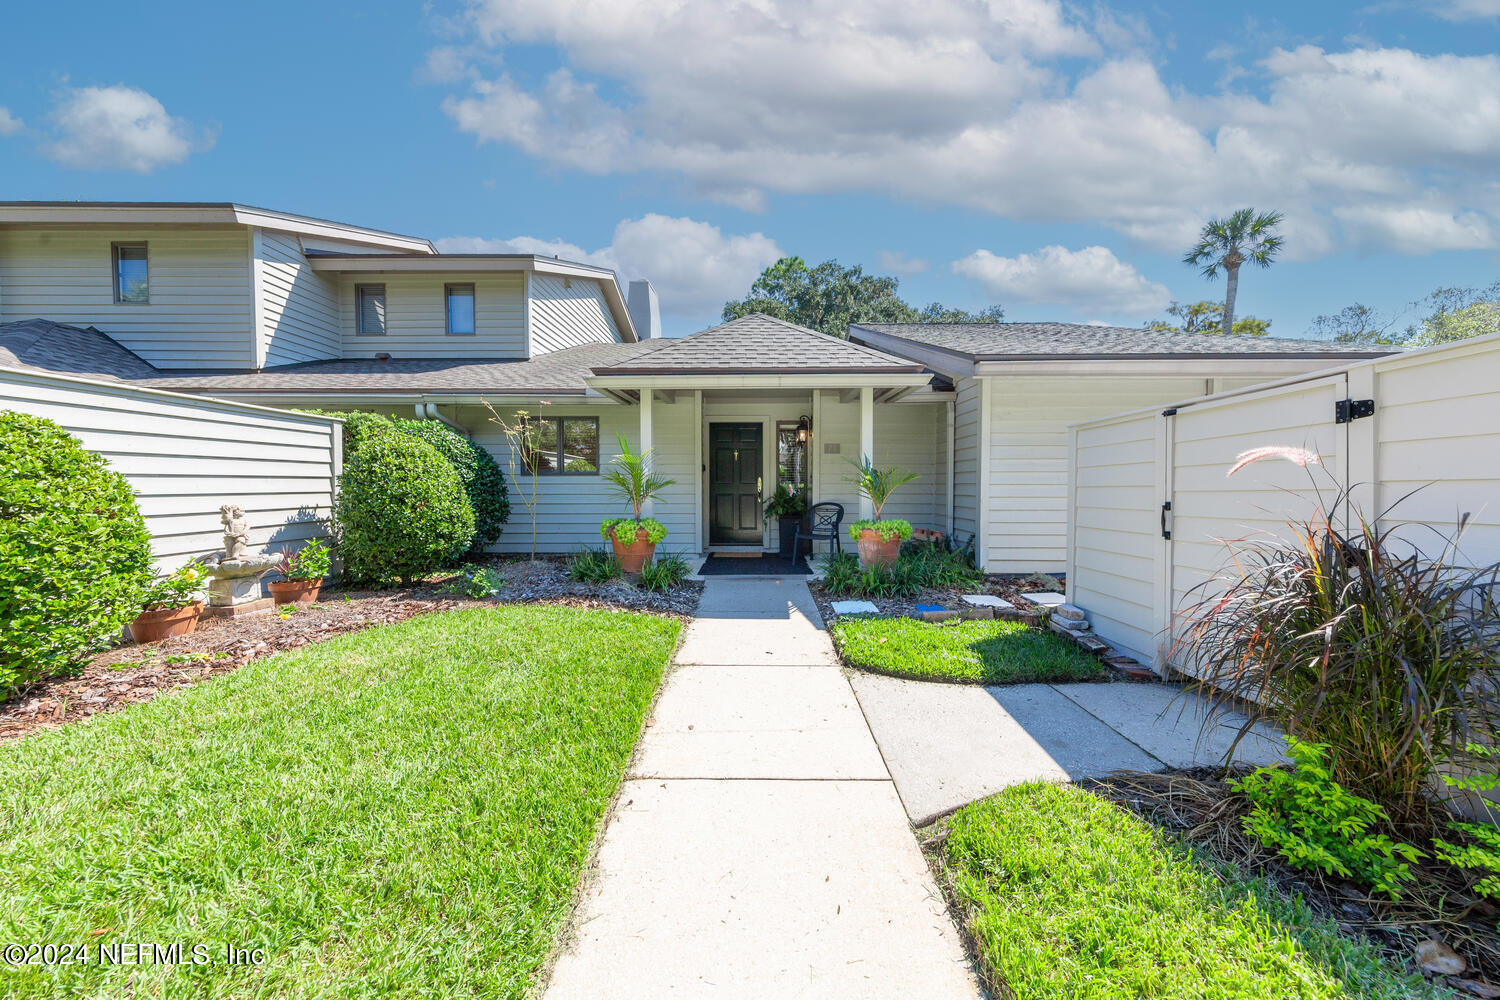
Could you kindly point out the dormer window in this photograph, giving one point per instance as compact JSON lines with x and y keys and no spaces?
{"x":132,"y":273}
{"x":460,"y":308}
{"x":370,"y":310}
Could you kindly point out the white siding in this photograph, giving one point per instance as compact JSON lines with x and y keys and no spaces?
{"x":570,"y":508}
{"x":914,"y":437}
{"x":299,"y":309}
{"x":1026,"y":520}
{"x":836,"y":440}
{"x":566,"y":312}
{"x":185,"y":456}
{"x":417,"y":317}
{"x":966,"y":461}
{"x":199,"y":315}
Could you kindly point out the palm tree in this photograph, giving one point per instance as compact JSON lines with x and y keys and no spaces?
{"x":1229,"y":243}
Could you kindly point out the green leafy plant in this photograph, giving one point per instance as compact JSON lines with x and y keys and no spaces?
{"x":74,"y":551}
{"x":482,"y":478}
{"x":1480,"y":849}
{"x":176,"y":589}
{"x":664,"y":573}
{"x":922,"y":566}
{"x":894,"y":528}
{"x":1315,"y":823}
{"x":631,"y":478}
{"x":311,"y":562}
{"x":785,"y":502}
{"x":1357,"y":640}
{"x":360,"y":427}
{"x":476,"y":582}
{"x":629,"y":529}
{"x":877,"y":485}
{"x":593,"y":566}
{"x":401,"y":511}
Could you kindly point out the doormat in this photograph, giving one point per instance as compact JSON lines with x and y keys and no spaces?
{"x":716,"y":565}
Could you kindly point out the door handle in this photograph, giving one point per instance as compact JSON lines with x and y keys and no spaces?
{"x":758,"y":490}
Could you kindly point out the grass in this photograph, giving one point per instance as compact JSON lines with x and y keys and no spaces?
{"x":1070,"y":895}
{"x":978,"y":651}
{"x":400,"y":812}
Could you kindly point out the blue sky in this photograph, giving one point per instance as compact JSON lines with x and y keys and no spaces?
{"x":1055,"y":158}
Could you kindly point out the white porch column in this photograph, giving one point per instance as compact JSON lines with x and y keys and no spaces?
{"x":645,"y":446}
{"x":866,"y":442}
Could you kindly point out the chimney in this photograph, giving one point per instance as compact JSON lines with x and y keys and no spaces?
{"x":644,"y":311}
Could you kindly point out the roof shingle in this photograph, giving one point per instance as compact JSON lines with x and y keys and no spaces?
{"x":757,"y":344}
{"x":43,"y":345}
{"x":1052,"y":341}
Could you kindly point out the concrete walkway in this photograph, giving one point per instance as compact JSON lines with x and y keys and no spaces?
{"x":949,"y":744}
{"x":759,"y":848}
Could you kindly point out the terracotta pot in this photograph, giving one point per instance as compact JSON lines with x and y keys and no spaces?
{"x":294,"y":591}
{"x":636,"y":555}
{"x":154,"y":626}
{"x":877,"y":551}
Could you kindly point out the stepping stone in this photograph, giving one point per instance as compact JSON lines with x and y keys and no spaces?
{"x":1070,"y":629}
{"x":855,"y":608}
{"x":1071,"y":612}
{"x":1046,"y":598}
{"x":988,"y":601}
{"x":935,"y":613}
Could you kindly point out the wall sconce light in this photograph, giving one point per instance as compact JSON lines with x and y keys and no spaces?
{"x":804,"y":429}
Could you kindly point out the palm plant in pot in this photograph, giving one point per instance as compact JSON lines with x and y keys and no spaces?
{"x":878,"y":539}
{"x":302,"y":574}
{"x":631,"y":479}
{"x":171,"y":606}
{"x":789,"y":507}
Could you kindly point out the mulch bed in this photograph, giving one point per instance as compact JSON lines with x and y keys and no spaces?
{"x":133,"y":673}
{"x":1006,"y":588}
{"x":1198,"y":807}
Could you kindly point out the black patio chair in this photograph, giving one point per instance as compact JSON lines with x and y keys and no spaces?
{"x":823,"y":520}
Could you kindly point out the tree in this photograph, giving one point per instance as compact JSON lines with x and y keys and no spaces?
{"x":1356,"y":324}
{"x":831,"y":296}
{"x":1207,"y":317}
{"x":1229,"y":244}
{"x":1457,"y":314}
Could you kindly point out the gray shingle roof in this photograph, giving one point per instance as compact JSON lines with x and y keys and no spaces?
{"x":1043,"y":341}
{"x":757,"y":344}
{"x":559,"y":372}
{"x":43,"y":345}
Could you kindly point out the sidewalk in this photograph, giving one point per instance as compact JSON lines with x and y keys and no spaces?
{"x":759,"y":848}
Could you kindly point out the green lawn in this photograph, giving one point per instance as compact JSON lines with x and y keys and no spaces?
{"x":1071,"y":896}
{"x":401,"y":812}
{"x":981,"y":651}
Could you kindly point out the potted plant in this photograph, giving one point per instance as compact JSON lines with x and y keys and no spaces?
{"x":879,"y":540}
{"x":789,"y":507}
{"x":303,"y":573}
{"x":170,"y":606}
{"x":634,"y":538}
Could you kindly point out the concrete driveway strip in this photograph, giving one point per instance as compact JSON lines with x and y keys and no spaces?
{"x":759,"y":849}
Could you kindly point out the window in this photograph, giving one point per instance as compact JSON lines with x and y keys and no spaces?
{"x":370,"y":310}
{"x":460,"y":308}
{"x":791,"y":455}
{"x":132,"y":273}
{"x":565,"y":446}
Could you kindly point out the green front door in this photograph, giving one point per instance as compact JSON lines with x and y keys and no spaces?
{"x":734,"y":484}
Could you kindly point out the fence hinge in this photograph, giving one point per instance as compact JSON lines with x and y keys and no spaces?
{"x":1169,"y":413}
{"x":1346,"y":410}
{"x":1166,"y":512}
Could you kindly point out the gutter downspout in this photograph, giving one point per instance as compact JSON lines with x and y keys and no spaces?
{"x":429,"y":411}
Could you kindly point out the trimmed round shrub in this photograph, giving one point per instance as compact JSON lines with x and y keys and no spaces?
{"x":477,"y":469}
{"x":74,"y":553}
{"x":360,"y":427}
{"x":401,"y":511}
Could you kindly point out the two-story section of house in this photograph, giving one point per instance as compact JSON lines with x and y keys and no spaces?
{"x":223,"y":286}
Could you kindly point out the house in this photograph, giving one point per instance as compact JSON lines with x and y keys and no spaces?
{"x":253,"y":305}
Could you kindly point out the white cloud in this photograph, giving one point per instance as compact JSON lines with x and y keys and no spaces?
{"x":1092,"y":279}
{"x":694,"y":266}
{"x":1467,"y":10}
{"x":9,"y":123}
{"x":1014,"y":107}
{"x":121,"y":128}
{"x":897,"y":262}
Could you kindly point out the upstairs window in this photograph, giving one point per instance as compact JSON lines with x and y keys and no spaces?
{"x":370,"y":310}
{"x":132,"y":273}
{"x":460,"y":308}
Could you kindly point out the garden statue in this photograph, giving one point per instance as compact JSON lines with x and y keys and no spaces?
{"x":235,"y":573}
